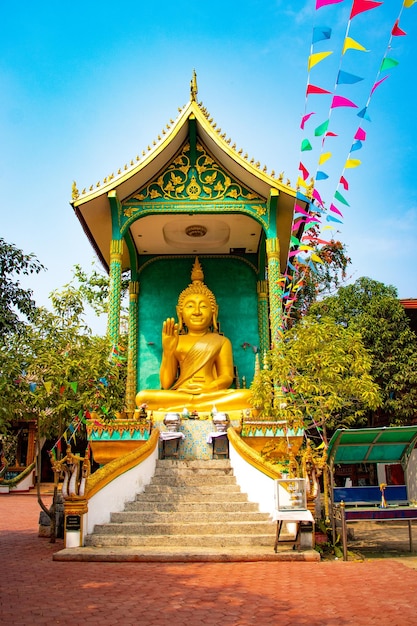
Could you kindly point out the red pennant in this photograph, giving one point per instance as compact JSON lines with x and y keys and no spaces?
{"x":397,"y":31}
{"x":304,"y":171}
{"x":314,"y":89}
{"x":359,"y":6}
{"x":344,"y":182}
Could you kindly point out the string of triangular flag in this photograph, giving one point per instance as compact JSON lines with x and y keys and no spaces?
{"x":302,"y":255}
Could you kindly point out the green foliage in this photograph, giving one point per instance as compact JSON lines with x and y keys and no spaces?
{"x":318,"y":376}
{"x":55,"y":368}
{"x":93,"y":288}
{"x":373,"y":309}
{"x":14,"y":300}
{"x":324,"y":279}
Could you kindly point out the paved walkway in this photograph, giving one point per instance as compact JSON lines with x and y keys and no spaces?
{"x":34,"y":589}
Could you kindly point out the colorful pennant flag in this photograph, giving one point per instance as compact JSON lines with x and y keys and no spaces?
{"x":388,"y":64}
{"x":351,"y":44}
{"x":360,"y":134}
{"x":340,"y":101}
{"x":378,"y":83}
{"x":313,"y":89}
{"x":396,"y":30}
{"x":317,"y":57}
{"x":320,"y":33}
{"x":324,"y":157}
{"x":346,"y":78}
{"x":344,"y":183}
{"x":341,"y":199}
{"x":335,"y":210}
{"x":322,"y":3}
{"x":322,"y":129}
{"x":360,"y":6}
{"x":352,"y":163}
{"x":304,"y":119}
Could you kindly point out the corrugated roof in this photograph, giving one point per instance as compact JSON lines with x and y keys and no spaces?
{"x":393,"y":444}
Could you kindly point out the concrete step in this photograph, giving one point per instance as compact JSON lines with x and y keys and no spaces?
{"x":180,"y":542}
{"x":173,"y":528}
{"x":193,"y":480}
{"x":196,"y":492}
{"x":184,"y":505}
{"x":187,"y":517}
{"x":194,"y":464}
{"x":190,"y":554}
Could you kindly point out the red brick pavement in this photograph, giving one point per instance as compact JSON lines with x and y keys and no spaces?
{"x":34,"y":589}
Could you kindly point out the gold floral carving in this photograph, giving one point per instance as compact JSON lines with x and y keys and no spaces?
{"x":193,"y":179}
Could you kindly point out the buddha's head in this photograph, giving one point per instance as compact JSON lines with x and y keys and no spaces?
{"x":197,"y":290}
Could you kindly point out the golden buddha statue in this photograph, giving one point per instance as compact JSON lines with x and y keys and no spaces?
{"x":202,"y":356}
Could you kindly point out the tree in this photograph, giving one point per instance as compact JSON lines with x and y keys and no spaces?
{"x":56,"y":368}
{"x":318,"y":378}
{"x":14,"y":299}
{"x":310,"y":281}
{"x":373,"y":309}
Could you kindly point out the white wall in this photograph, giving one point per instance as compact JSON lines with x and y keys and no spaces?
{"x":113,"y":497}
{"x":258,"y":486}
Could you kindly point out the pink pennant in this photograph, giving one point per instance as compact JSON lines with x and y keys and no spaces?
{"x":360,"y":134}
{"x":378,"y":83}
{"x":340,"y":101}
{"x":359,"y":6}
{"x":336,"y":210}
{"x":299,"y":209}
{"x":305,"y":119}
{"x":323,"y":3}
{"x":317,"y":197}
{"x":345,"y":183}
{"x":396,"y":30}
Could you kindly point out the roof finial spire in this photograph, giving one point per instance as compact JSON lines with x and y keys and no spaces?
{"x":193,"y":87}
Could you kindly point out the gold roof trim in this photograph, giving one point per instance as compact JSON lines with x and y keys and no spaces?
{"x":191,"y":110}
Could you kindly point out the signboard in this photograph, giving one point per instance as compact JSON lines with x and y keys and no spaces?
{"x":290,"y":494}
{"x":73,"y":522}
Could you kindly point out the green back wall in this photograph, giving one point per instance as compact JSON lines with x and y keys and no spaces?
{"x":233,"y":282}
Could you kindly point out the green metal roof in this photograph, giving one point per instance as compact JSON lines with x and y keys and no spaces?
{"x":393,"y":444}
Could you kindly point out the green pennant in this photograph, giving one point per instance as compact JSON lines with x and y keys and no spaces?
{"x":320,"y":130}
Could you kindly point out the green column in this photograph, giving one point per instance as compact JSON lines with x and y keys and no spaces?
{"x":263,"y":322}
{"x":275,"y":290}
{"x":132,"y":353}
{"x":113,"y":322}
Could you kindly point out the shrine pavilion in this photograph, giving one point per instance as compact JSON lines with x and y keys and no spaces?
{"x":191,"y":194}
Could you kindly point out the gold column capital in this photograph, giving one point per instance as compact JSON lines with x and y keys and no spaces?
{"x":262,"y":289}
{"x":272,"y":247}
{"x":116,"y":249}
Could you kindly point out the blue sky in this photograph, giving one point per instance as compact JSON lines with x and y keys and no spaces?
{"x":86,"y":86}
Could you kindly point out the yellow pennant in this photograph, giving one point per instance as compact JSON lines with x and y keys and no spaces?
{"x":315,"y":58}
{"x":352,"y":163}
{"x":351,"y":44}
{"x":316,"y":258}
{"x":324,"y":157}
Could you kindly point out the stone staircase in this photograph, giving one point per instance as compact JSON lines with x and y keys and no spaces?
{"x":188,"y":505}
{"x":191,"y":511}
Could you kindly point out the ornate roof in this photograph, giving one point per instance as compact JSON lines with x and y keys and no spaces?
{"x":191,"y":168}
